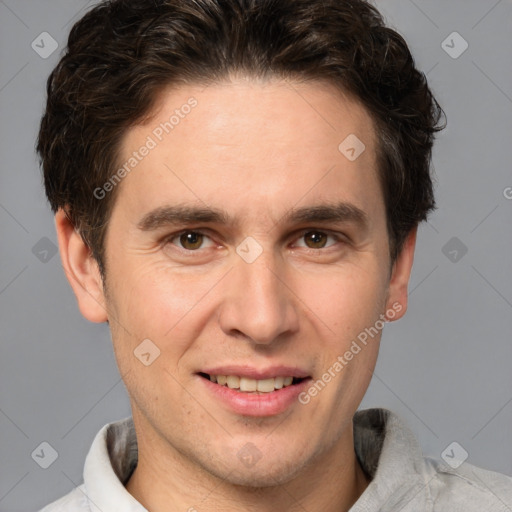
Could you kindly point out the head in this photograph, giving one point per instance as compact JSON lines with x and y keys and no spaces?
{"x":194,"y":154}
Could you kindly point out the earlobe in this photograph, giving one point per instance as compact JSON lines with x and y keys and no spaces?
{"x":400,"y":275}
{"x":81,"y":270}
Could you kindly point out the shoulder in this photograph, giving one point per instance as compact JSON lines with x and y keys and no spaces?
{"x":402,"y":478}
{"x":75,"y":501}
{"x":111,"y":458}
{"x":467,"y":488}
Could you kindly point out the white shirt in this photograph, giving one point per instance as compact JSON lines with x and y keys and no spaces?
{"x":402,"y":479}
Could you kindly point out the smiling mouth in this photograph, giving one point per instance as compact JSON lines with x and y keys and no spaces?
{"x":254,"y":386}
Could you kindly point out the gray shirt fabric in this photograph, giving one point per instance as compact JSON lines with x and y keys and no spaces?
{"x":402,"y":479}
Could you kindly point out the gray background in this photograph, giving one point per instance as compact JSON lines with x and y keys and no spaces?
{"x":445,"y":367}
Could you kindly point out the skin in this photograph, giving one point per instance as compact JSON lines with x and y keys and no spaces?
{"x":256,"y":150}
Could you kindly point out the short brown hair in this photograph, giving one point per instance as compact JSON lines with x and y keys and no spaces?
{"x":123,"y":52}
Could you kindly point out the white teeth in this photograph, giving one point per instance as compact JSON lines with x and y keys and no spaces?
{"x":266,"y":385}
{"x":279,"y":382}
{"x":233,"y":382}
{"x":248,"y":385}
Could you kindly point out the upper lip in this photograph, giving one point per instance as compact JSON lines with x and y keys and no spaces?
{"x":257,"y":373}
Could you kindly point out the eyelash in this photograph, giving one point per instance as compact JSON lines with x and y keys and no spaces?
{"x":339,"y":238}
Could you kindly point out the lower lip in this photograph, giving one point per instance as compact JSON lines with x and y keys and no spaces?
{"x":261,"y":404}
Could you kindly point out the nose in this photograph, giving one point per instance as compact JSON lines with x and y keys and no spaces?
{"x":258,"y":303}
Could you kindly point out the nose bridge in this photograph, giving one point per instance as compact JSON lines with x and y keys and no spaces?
{"x":257,"y":304}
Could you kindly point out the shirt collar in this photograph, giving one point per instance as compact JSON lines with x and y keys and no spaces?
{"x":388,"y":451}
{"x":108,"y":467}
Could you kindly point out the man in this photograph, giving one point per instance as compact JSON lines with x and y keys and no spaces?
{"x":237,"y":187}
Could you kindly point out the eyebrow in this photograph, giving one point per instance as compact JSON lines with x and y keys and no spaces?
{"x":341,"y":212}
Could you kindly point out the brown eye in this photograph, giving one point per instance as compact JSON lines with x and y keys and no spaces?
{"x":191,"y":240}
{"x":315,"y":239}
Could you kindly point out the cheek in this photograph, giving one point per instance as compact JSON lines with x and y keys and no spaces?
{"x":348,"y":305}
{"x":346,"y":300}
{"x":155,"y":302}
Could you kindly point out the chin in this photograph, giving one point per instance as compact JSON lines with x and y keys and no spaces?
{"x":264,"y":470}
{"x":262,"y":477}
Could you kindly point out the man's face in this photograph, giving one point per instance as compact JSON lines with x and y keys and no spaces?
{"x":262,"y":293}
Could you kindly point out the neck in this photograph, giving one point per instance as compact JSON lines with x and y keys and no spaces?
{"x":166,"y":481}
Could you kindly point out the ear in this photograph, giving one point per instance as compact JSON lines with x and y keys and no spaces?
{"x":81,"y":270}
{"x":400,"y":274}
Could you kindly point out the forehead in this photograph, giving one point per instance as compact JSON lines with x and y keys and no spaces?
{"x":244,"y":142}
